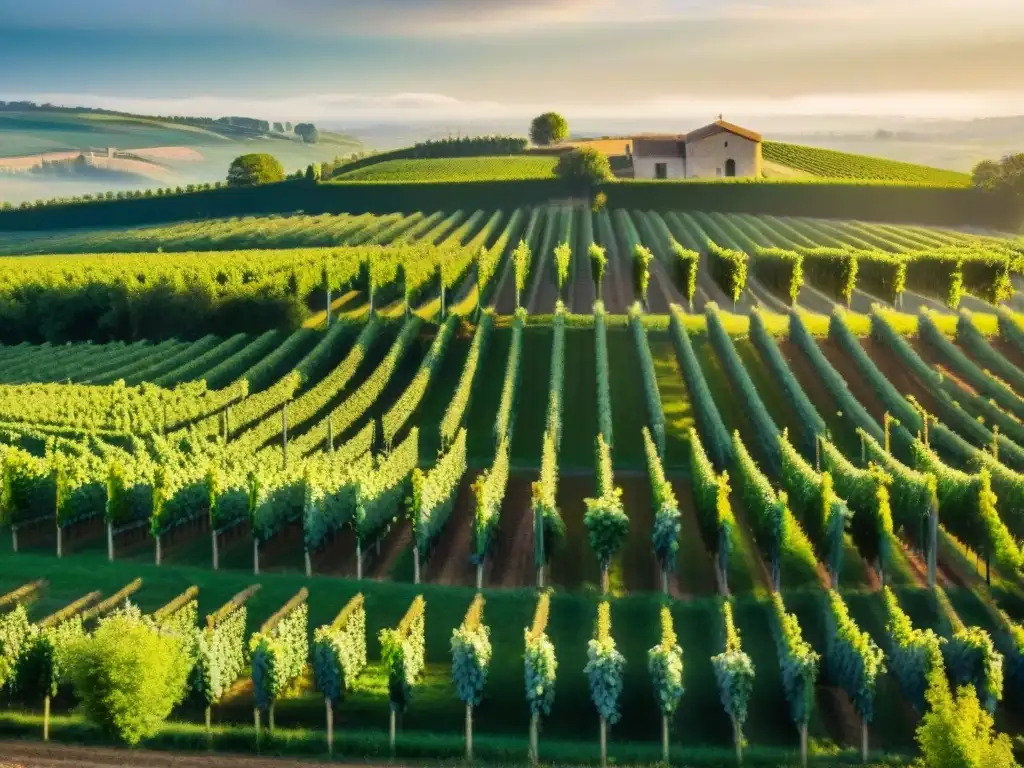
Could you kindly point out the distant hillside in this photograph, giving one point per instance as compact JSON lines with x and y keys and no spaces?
{"x":143,"y":150}
{"x":829,"y":163}
{"x":27,"y":130}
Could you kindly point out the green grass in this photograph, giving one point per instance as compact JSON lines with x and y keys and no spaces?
{"x":675,"y":400}
{"x":579,"y":402}
{"x":629,"y":404}
{"x":831,"y":164}
{"x":483,"y":409}
{"x":509,"y":168}
{"x":532,"y":398}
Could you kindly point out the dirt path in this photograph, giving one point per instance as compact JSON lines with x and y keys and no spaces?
{"x":695,"y":570}
{"x":391,"y":549}
{"x":1008,"y":350}
{"x":814,"y":300}
{"x":582,"y":293}
{"x":504,"y":299}
{"x":27,"y":754}
{"x":662,"y":292}
{"x":544,"y":296}
{"x":449,"y":560}
{"x":857,"y":384}
{"x":901,"y":377}
{"x":512,"y":565}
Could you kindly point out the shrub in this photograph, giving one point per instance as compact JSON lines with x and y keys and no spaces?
{"x":129,"y":676}
{"x":957,"y":732}
{"x":583,"y":168}
{"x":253,"y":169}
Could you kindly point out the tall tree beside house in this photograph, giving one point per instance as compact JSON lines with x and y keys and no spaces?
{"x":549,"y":128}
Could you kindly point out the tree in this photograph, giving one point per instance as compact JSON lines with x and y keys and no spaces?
{"x":549,"y":128}
{"x":307,"y":132}
{"x":1005,"y":179}
{"x":278,"y":128}
{"x":584,"y":167}
{"x":958,"y":731}
{"x":313,"y":172}
{"x":250,"y":170}
{"x":129,"y":675}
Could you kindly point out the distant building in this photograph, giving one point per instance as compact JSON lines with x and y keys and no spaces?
{"x":716,"y":150}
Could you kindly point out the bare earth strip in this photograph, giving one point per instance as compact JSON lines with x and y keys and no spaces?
{"x":26,"y":754}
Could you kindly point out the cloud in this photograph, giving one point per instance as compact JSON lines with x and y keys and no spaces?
{"x":412,"y":107}
{"x":340,"y":18}
{"x":317,"y":17}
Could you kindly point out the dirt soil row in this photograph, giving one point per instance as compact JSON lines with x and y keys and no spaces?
{"x":27,"y":754}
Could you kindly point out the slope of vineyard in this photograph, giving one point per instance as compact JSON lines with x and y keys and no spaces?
{"x":157,"y":423}
{"x":832,"y":164}
{"x":457,"y":169}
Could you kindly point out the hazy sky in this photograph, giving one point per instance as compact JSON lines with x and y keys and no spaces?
{"x":425,"y":59}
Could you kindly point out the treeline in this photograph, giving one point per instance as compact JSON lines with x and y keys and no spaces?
{"x":871,"y":202}
{"x":285,"y":197}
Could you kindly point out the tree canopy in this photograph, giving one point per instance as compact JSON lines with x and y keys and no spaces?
{"x":258,"y":168}
{"x":307,"y":132}
{"x":549,"y":128}
{"x":584,"y":167}
{"x":1006,"y":175}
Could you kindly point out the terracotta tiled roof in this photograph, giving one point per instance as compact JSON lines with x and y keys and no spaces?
{"x":721,"y":126}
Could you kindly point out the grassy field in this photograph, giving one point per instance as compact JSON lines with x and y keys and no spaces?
{"x":701,"y":733}
{"x":456,"y":169}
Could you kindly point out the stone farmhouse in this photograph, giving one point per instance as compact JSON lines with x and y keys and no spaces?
{"x":719,"y":149}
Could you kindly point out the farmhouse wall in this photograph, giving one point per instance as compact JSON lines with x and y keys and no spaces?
{"x":643,"y":166}
{"x":707,"y":157}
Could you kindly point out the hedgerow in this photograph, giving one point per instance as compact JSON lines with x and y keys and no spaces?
{"x":655,"y":411}
{"x":708,"y":419}
{"x":912,"y":653}
{"x":867,"y":494}
{"x":811,"y":423}
{"x":969,"y":655}
{"x":278,"y":652}
{"x":813,"y":500}
{"x":711,"y":494}
{"x":798,"y":665}
{"x":665,"y":534}
{"x":854,"y":662}
{"x":777,"y":533}
{"x":766,"y":433}
{"x":728,"y":268}
{"x":780,"y":270}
